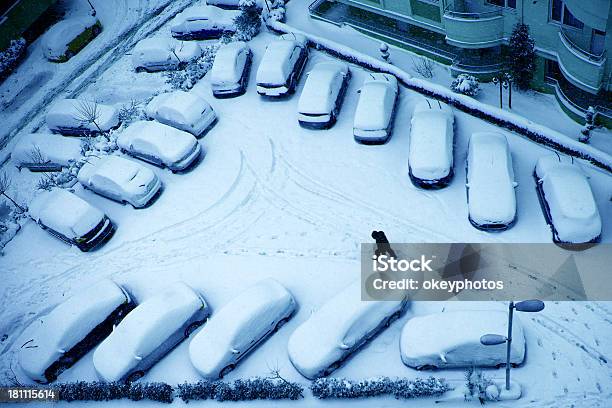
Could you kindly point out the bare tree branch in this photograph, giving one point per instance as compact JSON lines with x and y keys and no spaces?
{"x":89,"y":112}
{"x":5,"y":184}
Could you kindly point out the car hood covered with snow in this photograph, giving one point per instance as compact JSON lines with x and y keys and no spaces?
{"x":66,"y":325}
{"x":55,"y":41}
{"x":319,"y":95}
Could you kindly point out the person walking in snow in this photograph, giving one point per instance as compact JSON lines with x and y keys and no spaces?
{"x":382,"y":244}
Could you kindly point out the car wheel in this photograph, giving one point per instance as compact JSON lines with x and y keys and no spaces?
{"x":281,"y":323}
{"x":226,"y":370}
{"x":192,"y":327}
{"x":426,"y":367}
{"x":135,"y":376}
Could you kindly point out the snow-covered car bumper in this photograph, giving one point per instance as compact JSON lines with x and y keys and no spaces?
{"x":370,"y":136}
{"x":431,"y":181}
{"x":205,"y":123}
{"x":272,"y":91}
{"x":187,"y":161}
{"x":226,"y":89}
{"x":314,"y":121}
{"x":204,"y":34}
{"x":105,"y":231}
{"x":147,"y":198}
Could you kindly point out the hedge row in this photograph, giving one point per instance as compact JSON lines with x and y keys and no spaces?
{"x":402,"y":388}
{"x":511,"y":121}
{"x":241,"y":390}
{"x":101,"y":391}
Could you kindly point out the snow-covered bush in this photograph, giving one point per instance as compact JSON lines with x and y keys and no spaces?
{"x":276,"y":12}
{"x":589,"y":125}
{"x":9,"y":226}
{"x":401,"y":388}
{"x":131,"y":112}
{"x":156,"y":391}
{"x":424,"y":67}
{"x":466,"y":84}
{"x":248,"y":22}
{"x":521,"y":58}
{"x":194,"y":71}
{"x":241,"y":390}
{"x":102,"y":391}
{"x":10,"y":58}
{"x":477,"y":385}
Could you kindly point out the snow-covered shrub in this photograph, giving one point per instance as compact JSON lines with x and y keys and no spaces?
{"x":248,"y":22}
{"x":131,"y":112}
{"x":91,"y":391}
{"x":401,"y":388}
{"x":521,"y":58}
{"x":589,"y":125}
{"x":276,"y":12}
{"x":202,"y":390}
{"x":466,"y":84}
{"x":10,"y":58}
{"x":9,"y":227}
{"x":194,"y":71}
{"x":424,"y":67}
{"x":160,"y":392}
{"x":476,"y":385}
{"x":241,"y":390}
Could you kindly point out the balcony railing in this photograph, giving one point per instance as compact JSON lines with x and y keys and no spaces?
{"x":472,"y":15}
{"x":596,"y":58}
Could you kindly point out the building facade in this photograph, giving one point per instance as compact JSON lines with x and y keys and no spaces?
{"x":573,"y":39}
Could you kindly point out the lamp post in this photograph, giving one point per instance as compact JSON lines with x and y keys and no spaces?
{"x":504,"y":80}
{"x":497,"y":81}
{"x":507,"y":81}
{"x":531,"y":306}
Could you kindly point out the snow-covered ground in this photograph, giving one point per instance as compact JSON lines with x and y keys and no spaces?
{"x":271,"y":199}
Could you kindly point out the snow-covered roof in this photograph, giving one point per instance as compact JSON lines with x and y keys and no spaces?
{"x":75,"y":113}
{"x":318,"y":95}
{"x":237,"y":323}
{"x":55,"y":41}
{"x":53,"y":148}
{"x":376,"y":103}
{"x":224,"y":67}
{"x":274,"y":66}
{"x":421,"y":336}
{"x":491,"y":191}
{"x":67,"y":324}
{"x":156,"y":139}
{"x":64,"y":212}
{"x":316,"y":343}
{"x":144,"y":329}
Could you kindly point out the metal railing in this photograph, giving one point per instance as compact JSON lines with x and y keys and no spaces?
{"x":599,"y":109}
{"x":597,"y":58}
{"x":486,"y":68}
{"x":473,"y":15}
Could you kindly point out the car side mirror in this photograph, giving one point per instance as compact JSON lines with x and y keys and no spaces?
{"x":62,"y":351}
{"x":514,"y":184}
{"x":344,"y":346}
{"x":234,"y":351}
{"x":359,"y":91}
{"x":467,"y":185}
{"x":442,"y":357}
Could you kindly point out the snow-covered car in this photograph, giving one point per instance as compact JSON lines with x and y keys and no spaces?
{"x":203,"y":22}
{"x":373,"y":122}
{"x":229,"y":75}
{"x":120,"y":179}
{"x":182,"y":110}
{"x":66,"y":38}
{"x":567,"y":201}
{"x":323,"y":94}
{"x":241,"y":325}
{"x":423,"y":347}
{"x":338,"y":329}
{"x":149,"y":332}
{"x":490,"y":182}
{"x":74,"y":327}
{"x":45,"y":152}
{"x":430,"y":161}
{"x":81,"y":117}
{"x":163,"y":54}
{"x":231,"y":4}
{"x":282,"y":65}
{"x":70,"y":218}
{"x":160,"y":144}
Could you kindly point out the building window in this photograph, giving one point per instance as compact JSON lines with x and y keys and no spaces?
{"x":503,"y":3}
{"x":561,"y":14}
{"x":552,"y":72}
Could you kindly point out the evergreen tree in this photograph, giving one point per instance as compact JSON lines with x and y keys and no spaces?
{"x":248,"y":22}
{"x":522,"y":56}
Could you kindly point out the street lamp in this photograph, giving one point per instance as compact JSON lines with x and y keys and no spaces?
{"x":505,"y":82}
{"x":530,"y":306}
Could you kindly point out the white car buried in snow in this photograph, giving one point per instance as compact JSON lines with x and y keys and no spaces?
{"x":160,"y":144}
{"x":452,"y":339}
{"x":182,"y":110}
{"x":338,"y":329}
{"x":120,"y":179}
{"x":229,"y":75}
{"x":45,"y":152}
{"x":68,"y":37}
{"x":70,"y":218}
{"x":203,"y":22}
{"x":323,"y":94}
{"x":81,"y":117}
{"x":149,"y":332}
{"x":163,"y":54}
{"x":430,"y":161}
{"x":373,"y":122}
{"x":567,"y":201}
{"x":490,"y":182}
{"x":239,"y":327}
{"x":72,"y":329}
{"x":282,"y":64}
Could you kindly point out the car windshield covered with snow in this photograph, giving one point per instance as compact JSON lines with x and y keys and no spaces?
{"x":158,"y":54}
{"x":79,"y":117}
{"x":282,"y":64}
{"x":430,"y":161}
{"x":45,"y":152}
{"x":490,"y":182}
{"x":203,"y":22}
{"x":322,"y":94}
{"x":422,"y":346}
{"x":239,"y":327}
{"x":376,"y":108}
{"x":567,"y":201}
{"x":159,"y":144}
{"x":60,"y":42}
{"x":149,"y":332}
{"x":182,"y":110}
{"x":230,"y":70}
{"x":70,"y":218}
{"x":340,"y":327}
{"x":60,"y":338}
{"x":120,"y":179}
